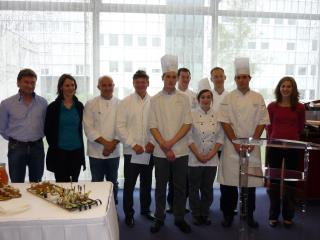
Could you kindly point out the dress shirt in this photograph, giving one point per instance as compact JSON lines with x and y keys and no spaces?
{"x":99,"y":120}
{"x":22,"y":122}
{"x":205,"y":133}
{"x":132,"y":122}
{"x":168,"y":113}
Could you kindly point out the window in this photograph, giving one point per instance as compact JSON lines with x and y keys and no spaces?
{"x":113,"y":40}
{"x":79,"y":70}
{"x":302,"y":93}
{"x":127,"y":66}
{"x":113,"y":66}
{"x":312,"y":94}
{"x":291,"y":46}
{"x":101,"y":39}
{"x":265,"y":20}
{"x":251,"y":45}
{"x":292,"y":22}
{"x":127,"y":40}
{"x":156,"y":42}
{"x":44,"y":71}
{"x":302,"y":70}
{"x":155,"y":70}
{"x":314,"y":45}
{"x":313,"y":70}
{"x":264,"y":45}
{"x":142,"y":41}
{"x":289,"y":69}
{"x":278,"y":21}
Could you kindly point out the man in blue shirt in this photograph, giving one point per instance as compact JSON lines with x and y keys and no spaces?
{"x":21,"y":123}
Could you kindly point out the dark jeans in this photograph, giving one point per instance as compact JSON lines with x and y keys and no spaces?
{"x":131,"y":173}
{"x":170,"y":189}
{"x":229,"y":200}
{"x":106,"y":169}
{"x":69,"y":165}
{"x":21,"y":155}
{"x":179,"y":174}
{"x":275,"y":156}
{"x":201,"y":189}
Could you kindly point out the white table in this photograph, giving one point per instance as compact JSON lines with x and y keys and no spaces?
{"x":45,"y":221}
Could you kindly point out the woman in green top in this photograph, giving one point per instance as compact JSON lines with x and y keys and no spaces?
{"x":63,"y":130}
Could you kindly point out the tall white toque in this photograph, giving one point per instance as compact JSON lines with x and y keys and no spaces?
{"x":241,"y":66}
{"x":169,"y":63}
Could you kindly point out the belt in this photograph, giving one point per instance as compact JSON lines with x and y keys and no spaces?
{"x":15,"y":141}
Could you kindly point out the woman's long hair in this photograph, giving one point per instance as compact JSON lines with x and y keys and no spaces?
{"x":294,"y":98}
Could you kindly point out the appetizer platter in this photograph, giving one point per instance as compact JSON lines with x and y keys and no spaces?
{"x":8,"y":192}
{"x":71,"y":199}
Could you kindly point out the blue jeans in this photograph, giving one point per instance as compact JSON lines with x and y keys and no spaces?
{"x":21,"y":155}
{"x":106,"y":169}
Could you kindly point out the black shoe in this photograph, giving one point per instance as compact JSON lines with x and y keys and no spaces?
{"x":206,"y":220}
{"x":183,"y":226}
{"x":252,"y":223}
{"x":169,"y":210}
{"x":156,"y":226}
{"x":186,"y":210}
{"x":227,"y":221}
{"x":235,"y":212}
{"x":273,"y":222}
{"x":197,"y":220}
{"x":287,"y":223}
{"x":148,"y":216}
{"x":129,"y":221}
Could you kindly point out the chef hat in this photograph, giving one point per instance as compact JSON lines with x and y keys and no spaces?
{"x":169,"y":63}
{"x":241,"y":66}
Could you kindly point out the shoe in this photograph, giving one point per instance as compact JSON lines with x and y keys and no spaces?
{"x":148,"y":216}
{"x":129,"y":221}
{"x":156,"y":226}
{"x":186,"y":210}
{"x":235,"y":212}
{"x":252,"y":223}
{"x":197,"y":220}
{"x":206,"y":220}
{"x":227,"y":221}
{"x":183,"y":226}
{"x":273,"y":222}
{"x":169,"y":210}
{"x":287,"y":223}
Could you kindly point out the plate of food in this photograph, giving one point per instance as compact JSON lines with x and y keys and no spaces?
{"x":71,"y":199}
{"x":8,"y":192}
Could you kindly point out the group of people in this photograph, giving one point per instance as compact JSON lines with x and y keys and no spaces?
{"x":186,"y":137}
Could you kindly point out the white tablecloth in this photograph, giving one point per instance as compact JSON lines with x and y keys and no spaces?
{"x":45,"y":221}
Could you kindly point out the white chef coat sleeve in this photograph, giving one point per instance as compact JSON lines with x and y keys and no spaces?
{"x":152,"y":119}
{"x":220,"y":135}
{"x":88,"y":122}
{"x":263,"y":113}
{"x":122,"y":132}
{"x":224,"y":109}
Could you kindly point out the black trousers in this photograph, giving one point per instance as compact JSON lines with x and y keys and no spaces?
{"x":131,"y":173}
{"x":179,"y":174}
{"x":229,"y":200}
{"x":69,"y":165}
{"x":275,"y":156}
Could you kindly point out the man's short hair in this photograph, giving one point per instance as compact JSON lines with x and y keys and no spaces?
{"x":184,"y":70}
{"x":27,"y":72}
{"x":216,"y":68}
{"x":140,"y":74}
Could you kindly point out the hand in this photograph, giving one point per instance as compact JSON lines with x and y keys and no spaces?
{"x":106,"y":152}
{"x":109,"y":146}
{"x":166,"y":146}
{"x":237,"y":147}
{"x":149,"y":148}
{"x":170,"y":156}
{"x":138,"y":149}
{"x":201,"y":158}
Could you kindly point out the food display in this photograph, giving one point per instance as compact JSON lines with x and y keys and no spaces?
{"x":8,"y":192}
{"x":73,"y":198}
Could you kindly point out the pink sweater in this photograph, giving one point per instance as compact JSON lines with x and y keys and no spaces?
{"x":285,"y":123}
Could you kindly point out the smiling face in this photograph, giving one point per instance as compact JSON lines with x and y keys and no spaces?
{"x":183,"y":80}
{"x":286,"y":89}
{"x":218,"y":78}
{"x":140,"y":85}
{"x":68,"y":88}
{"x":169,"y":81}
{"x":205,"y":100}
{"x":106,"y":87}
{"x":27,"y":85}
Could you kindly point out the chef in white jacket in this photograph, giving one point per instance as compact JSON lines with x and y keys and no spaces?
{"x":132,"y":129}
{"x":99,"y":122}
{"x":242,"y":114}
